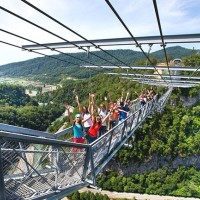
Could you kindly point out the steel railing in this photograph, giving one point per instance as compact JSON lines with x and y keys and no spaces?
{"x":37,"y":165}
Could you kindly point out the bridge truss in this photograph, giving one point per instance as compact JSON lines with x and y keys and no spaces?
{"x":39,"y":165}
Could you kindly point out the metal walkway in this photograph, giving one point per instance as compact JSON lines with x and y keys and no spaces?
{"x":39,"y":165}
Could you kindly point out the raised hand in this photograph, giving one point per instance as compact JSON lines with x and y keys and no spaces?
{"x":76,"y":97}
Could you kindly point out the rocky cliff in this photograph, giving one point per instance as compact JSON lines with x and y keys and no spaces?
{"x":154,"y":163}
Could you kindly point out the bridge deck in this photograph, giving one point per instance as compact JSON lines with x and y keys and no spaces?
{"x":35,"y":167}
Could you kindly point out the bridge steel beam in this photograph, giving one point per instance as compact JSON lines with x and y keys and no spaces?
{"x":141,"y":80}
{"x":169,"y":39}
{"x":171,"y":68}
{"x":2,"y":184}
{"x":155,"y":75}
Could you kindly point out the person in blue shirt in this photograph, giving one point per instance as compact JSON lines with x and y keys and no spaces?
{"x":78,"y":130}
{"x":123,"y":111}
{"x":78,"y":136}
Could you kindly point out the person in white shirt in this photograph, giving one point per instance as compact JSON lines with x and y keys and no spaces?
{"x":85,"y":114}
{"x":102,"y":112}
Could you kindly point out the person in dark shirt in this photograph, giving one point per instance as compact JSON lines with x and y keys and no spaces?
{"x":123,"y":111}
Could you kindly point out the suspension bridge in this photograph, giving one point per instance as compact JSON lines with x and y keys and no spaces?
{"x":39,"y":165}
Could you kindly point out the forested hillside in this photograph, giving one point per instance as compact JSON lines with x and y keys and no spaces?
{"x":174,"y":52}
{"x":167,"y":137}
{"x":14,"y":96}
{"x":101,"y":85}
{"x":174,"y":132}
{"x":30,"y":115}
{"x":50,"y":70}
{"x":183,"y":181}
{"x":17,"y":108}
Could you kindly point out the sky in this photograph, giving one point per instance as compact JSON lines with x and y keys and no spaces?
{"x":93,"y":19}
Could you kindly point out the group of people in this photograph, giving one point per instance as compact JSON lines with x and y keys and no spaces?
{"x":147,"y":95}
{"x":93,"y":121}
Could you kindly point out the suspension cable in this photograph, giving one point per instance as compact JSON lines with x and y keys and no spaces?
{"x":161,"y":35}
{"x":63,"y":25}
{"x":13,"y":45}
{"x":48,"y":48}
{"x":32,"y":23}
{"x":137,"y":44}
{"x":150,"y":45}
{"x":93,"y":44}
{"x":67,"y":40}
{"x":193,"y":71}
{"x":88,"y":56}
{"x":43,"y":46}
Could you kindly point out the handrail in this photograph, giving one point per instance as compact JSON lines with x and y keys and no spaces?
{"x":27,"y":131}
{"x":39,"y":140}
{"x":38,"y":167}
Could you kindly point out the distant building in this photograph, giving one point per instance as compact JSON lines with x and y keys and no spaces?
{"x":176,"y":62}
{"x":49,"y":88}
{"x":160,"y":71}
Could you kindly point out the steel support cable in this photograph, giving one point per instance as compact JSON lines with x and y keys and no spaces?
{"x":161,"y":34}
{"x":34,"y":51}
{"x":150,"y":45}
{"x":167,"y":80}
{"x":173,"y":84}
{"x":96,"y":46}
{"x":33,"y":170}
{"x":38,"y":52}
{"x":137,"y":44}
{"x":154,"y":75}
{"x":41,"y":45}
{"x":193,"y":73}
{"x":32,"y":23}
{"x":44,"y":46}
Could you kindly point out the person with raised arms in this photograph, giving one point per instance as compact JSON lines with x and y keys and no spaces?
{"x":85,"y":114}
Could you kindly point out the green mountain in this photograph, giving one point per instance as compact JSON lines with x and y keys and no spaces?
{"x":174,"y":52}
{"x":52,"y":70}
